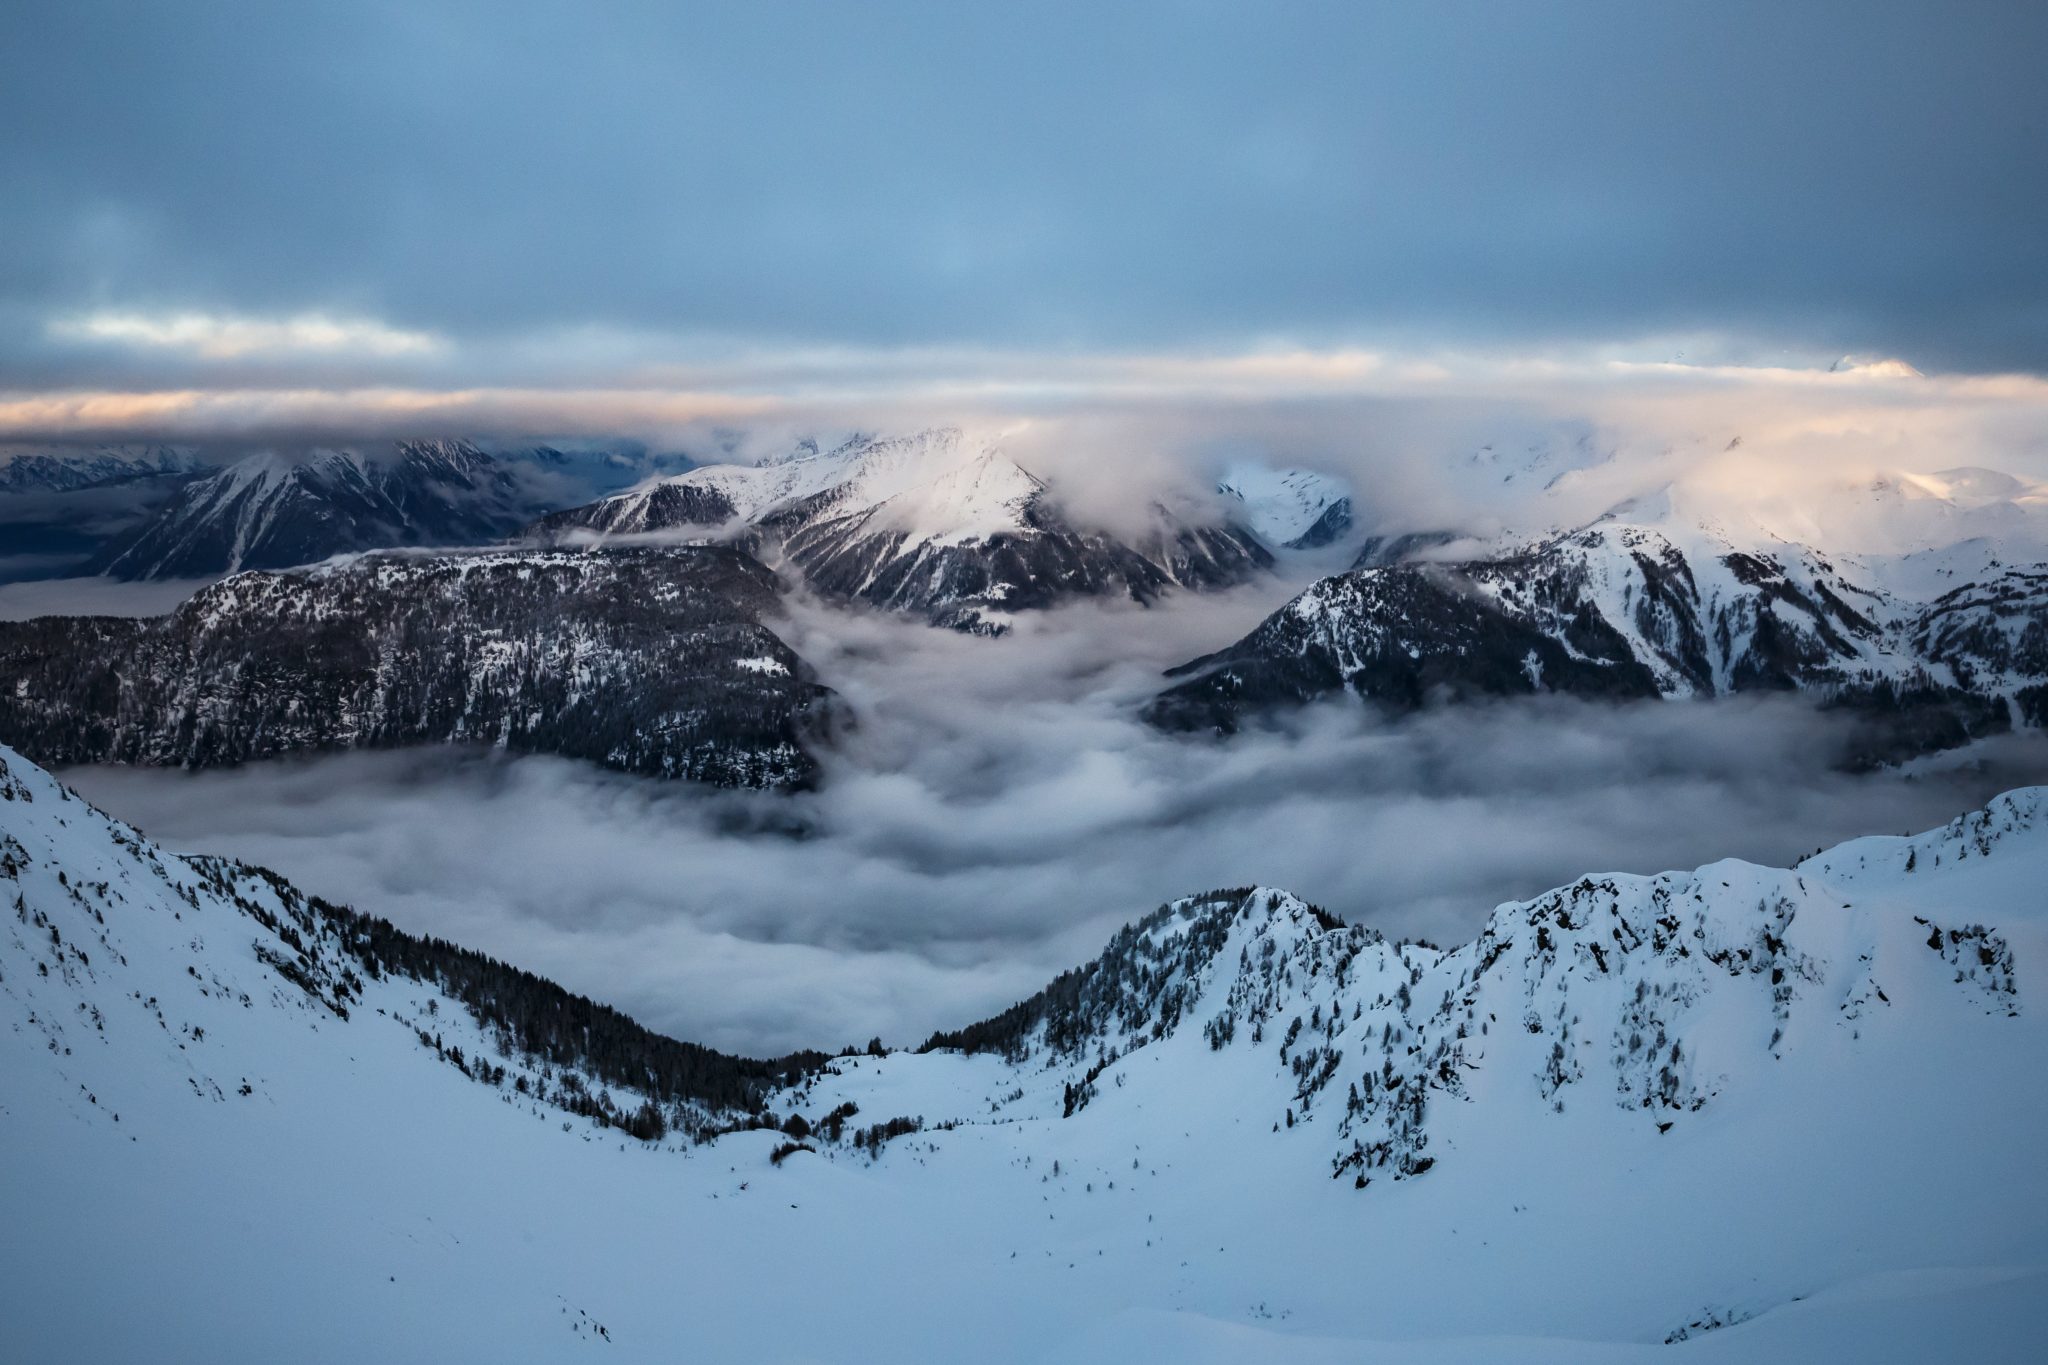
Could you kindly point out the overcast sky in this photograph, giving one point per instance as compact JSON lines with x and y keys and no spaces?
{"x":438,"y":196}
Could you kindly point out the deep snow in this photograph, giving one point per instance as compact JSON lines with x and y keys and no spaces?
{"x":1863,"y":1186}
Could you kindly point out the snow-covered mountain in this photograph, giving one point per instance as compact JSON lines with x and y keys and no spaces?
{"x":936,"y":523}
{"x":1772,"y":1113}
{"x":654,"y":660}
{"x":59,"y":505}
{"x":1664,"y":596}
{"x":69,"y":469}
{"x":273,"y":510}
{"x":1295,"y":508}
{"x":1966,"y":515}
{"x":1518,"y":469}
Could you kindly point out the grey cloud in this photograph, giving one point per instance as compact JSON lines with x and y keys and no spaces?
{"x":1858,"y":177}
{"x":90,"y":597}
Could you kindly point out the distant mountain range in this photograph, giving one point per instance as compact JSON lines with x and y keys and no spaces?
{"x":70,"y":469}
{"x":174,"y":512}
{"x":1249,"y":1123}
{"x":1915,"y":603}
{"x":635,"y":631}
{"x":272,"y":511}
{"x":59,"y":506}
{"x":936,"y":523}
{"x":1937,"y":633}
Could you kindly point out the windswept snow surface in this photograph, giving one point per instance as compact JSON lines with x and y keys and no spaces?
{"x":1774,"y":1114}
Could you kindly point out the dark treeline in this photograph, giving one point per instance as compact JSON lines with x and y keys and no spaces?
{"x":556,"y":1027}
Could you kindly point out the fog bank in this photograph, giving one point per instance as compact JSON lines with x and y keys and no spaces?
{"x":997,"y":813}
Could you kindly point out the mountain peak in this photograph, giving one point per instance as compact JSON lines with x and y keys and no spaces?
{"x":1292,"y":508}
{"x":938,"y":522}
{"x":278,"y":508}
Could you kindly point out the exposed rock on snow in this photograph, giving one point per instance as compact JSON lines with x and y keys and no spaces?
{"x":1650,"y":601}
{"x":1296,"y":508}
{"x":938,"y":524}
{"x":272,"y":511}
{"x":1633,"y":1108}
{"x":653,"y":661}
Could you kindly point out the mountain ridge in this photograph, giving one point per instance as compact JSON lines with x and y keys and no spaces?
{"x":69,"y":469}
{"x":272,"y":511}
{"x":1608,"y":1052}
{"x":1651,"y":601}
{"x":647,"y":660}
{"x":936,"y":523}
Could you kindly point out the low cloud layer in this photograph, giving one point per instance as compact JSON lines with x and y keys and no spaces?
{"x":1423,"y":443}
{"x":998,"y":813}
{"x":19,"y":601}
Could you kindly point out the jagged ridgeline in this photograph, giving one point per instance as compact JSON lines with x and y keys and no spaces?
{"x":1623,"y":611}
{"x":934,"y":524}
{"x":564,"y":1048}
{"x":1643,"y":999}
{"x":270,"y":511}
{"x":1651,"y":996}
{"x":1137,"y":985}
{"x":652,"y":661}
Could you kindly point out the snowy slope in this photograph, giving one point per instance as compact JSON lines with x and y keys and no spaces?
{"x":1668,"y":595}
{"x":1296,"y":508}
{"x":1781,"y":1114}
{"x":937,"y":523}
{"x":273,"y":510}
{"x":1914,"y":532}
{"x":862,"y":472}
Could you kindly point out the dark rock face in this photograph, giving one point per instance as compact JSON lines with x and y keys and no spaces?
{"x":666,"y":507}
{"x":649,"y":661}
{"x":1623,"y":611}
{"x":1397,"y":636}
{"x":1998,"y":628}
{"x":267,"y":512}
